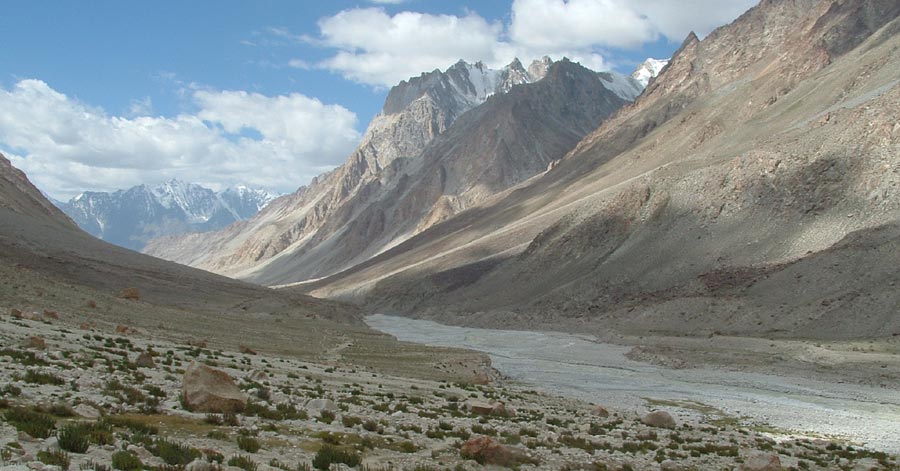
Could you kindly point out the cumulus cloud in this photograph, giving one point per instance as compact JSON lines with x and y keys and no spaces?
{"x":378,"y":49}
{"x":66,"y":146}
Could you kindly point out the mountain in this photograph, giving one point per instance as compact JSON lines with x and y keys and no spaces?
{"x":129,"y":218}
{"x":751,"y":190}
{"x":649,"y":69}
{"x":445,"y":141}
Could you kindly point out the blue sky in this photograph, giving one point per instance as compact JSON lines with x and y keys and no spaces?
{"x":107,"y":94}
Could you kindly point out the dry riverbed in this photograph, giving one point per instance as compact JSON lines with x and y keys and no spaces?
{"x":86,"y":397}
{"x":583,"y":368}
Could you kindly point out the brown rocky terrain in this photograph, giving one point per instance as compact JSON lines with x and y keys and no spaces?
{"x":50,"y":268}
{"x":426,"y":158}
{"x":750,"y":191}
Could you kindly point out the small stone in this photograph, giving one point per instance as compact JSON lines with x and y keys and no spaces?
{"x":15,"y":313}
{"x":51,"y":314}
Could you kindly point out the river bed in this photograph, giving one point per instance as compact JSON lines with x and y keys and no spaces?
{"x":580,"y":367}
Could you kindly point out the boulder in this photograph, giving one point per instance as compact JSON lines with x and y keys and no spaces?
{"x":761,"y":461}
{"x":132,"y":294}
{"x":669,"y":465}
{"x":15,"y":312}
{"x":496,"y":408}
{"x":51,"y":314}
{"x":321,"y":404}
{"x":661,"y":419}
{"x":488,"y":451}
{"x":246,"y":350}
{"x":145,"y":360}
{"x":258,"y":376}
{"x":207,"y":389}
{"x":35,"y":342}
{"x":124,"y":330}
{"x":600,"y":411}
{"x":199,"y":465}
{"x":87,"y":411}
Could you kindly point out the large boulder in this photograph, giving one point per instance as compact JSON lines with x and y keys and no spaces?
{"x":145,"y":360}
{"x":318,"y":405}
{"x":486,"y":450}
{"x":660,"y":418}
{"x":207,"y":389}
{"x":761,"y":461}
{"x":600,"y":411}
{"x":495,"y":408}
{"x":35,"y":342}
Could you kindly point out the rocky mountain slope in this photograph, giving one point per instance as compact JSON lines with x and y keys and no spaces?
{"x":444,"y":142}
{"x":750,"y":190}
{"x":53,"y":271}
{"x":129,"y":218}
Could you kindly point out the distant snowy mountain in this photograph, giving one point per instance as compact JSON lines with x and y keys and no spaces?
{"x":132,"y":217}
{"x":649,"y":69}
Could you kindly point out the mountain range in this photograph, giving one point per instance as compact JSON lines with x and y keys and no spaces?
{"x":445,"y":141}
{"x":129,"y":218}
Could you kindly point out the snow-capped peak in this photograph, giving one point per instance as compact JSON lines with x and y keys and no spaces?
{"x":649,"y":69}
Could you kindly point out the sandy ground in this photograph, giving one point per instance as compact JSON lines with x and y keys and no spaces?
{"x":581,"y":367}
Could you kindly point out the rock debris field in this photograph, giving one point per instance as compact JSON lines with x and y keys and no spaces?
{"x":88,"y":398}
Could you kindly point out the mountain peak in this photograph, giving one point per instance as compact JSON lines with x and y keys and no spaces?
{"x":648,"y":70}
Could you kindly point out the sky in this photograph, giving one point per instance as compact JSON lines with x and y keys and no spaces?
{"x":104,"y":95}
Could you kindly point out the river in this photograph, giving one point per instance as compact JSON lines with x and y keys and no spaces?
{"x":580,"y":367}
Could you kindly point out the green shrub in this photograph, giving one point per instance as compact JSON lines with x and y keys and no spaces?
{"x":126,"y":461}
{"x":36,"y":424}
{"x":326,"y":417}
{"x":39,"y":377}
{"x":175,"y":454}
{"x":242,"y":462}
{"x":350,"y":421}
{"x":23,"y":358}
{"x":132,"y":425}
{"x":217,"y":435}
{"x":74,"y":438}
{"x":55,"y":458}
{"x":248,"y":444}
{"x":329,"y":454}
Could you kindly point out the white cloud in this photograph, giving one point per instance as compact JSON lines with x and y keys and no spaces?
{"x":378,"y":49}
{"x":388,"y":2}
{"x":66,"y":146}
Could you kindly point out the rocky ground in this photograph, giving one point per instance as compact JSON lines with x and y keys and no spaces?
{"x":88,"y":397}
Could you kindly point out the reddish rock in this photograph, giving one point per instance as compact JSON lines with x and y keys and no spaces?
{"x":246,"y":350}
{"x":205,"y":389}
{"x":600,"y":411}
{"x":125,"y":330}
{"x":132,"y":294}
{"x":35,"y":342}
{"x":91,"y":304}
{"x":15,"y":313}
{"x":50,"y":314}
{"x":486,"y":450}
{"x":761,"y":461}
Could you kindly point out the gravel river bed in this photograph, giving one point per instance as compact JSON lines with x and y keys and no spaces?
{"x":579,"y":366}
